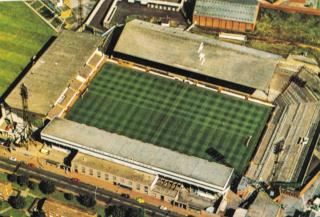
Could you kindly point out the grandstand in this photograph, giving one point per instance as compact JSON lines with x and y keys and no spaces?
{"x":138,"y":155}
{"x":294,"y":126}
{"x":196,"y":56}
{"x":53,"y":72}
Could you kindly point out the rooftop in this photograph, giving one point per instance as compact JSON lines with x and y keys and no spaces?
{"x":58,"y":156}
{"x":52,"y":73}
{"x":167,"y":187}
{"x":136,"y":152}
{"x":179,"y":49}
{"x":113,"y":168}
{"x":193,"y":200}
{"x":68,"y":210}
{"x":263,"y":206}
{"x":235,"y":10}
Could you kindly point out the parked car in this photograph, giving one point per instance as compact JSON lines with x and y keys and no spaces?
{"x":139,"y":200}
{"x":163,"y":208}
{"x":75,"y":180}
{"x":125,"y":195}
{"x":12,"y":158}
{"x":31,"y":165}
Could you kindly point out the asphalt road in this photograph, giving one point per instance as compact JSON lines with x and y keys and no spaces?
{"x":64,"y":182}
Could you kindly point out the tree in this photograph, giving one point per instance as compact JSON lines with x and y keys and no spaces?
{"x":87,"y":200}
{"x":38,"y":213}
{"x":132,"y":212}
{"x":17,"y":202}
{"x":116,"y":211}
{"x":47,"y":187}
{"x":12,"y":177}
{"x":68,"y":196}
{"x":23,"y":180}
{"x":32,"y":185}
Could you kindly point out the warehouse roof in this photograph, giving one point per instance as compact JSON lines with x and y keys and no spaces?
{"x":77,"y":135}
{"x":55,"y":69}
{"x":177,"y":48}
{"x":236,"y":10}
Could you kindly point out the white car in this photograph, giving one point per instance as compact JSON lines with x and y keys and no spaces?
{"x":12,"y":158}
{"x":163,"y":208}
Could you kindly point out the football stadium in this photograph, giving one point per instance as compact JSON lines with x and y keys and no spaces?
{"x":172,"y":114}
{"x":160,"y":122}
{"x":177,"y":129}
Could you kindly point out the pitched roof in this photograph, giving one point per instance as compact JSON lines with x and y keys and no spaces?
{"x":235,"y":10}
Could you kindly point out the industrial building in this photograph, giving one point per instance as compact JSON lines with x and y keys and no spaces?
{"x":232,"y":15}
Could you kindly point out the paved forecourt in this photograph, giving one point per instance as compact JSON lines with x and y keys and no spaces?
{"x":171,"y":114}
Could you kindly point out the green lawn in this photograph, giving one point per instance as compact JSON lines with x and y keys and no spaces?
{"x":22,"y":34}
{"x":20,"y":213}
{"x":181,"y":117}
{"x":57,"y":195}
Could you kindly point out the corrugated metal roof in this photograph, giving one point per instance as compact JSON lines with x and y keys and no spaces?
{"x":52,"y":73}
{"x":235,"y":10}
{"x":173,"y":47}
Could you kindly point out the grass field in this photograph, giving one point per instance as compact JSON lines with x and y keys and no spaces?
{"x":22,"y":34}
{"x":188,"y":119}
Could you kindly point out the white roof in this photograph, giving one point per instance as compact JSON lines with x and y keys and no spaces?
{"x":79,"y":135}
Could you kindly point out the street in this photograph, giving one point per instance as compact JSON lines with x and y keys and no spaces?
{"x":66,"y":183}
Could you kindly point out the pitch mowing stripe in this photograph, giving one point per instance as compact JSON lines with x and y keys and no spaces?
{"x":170,"y":114}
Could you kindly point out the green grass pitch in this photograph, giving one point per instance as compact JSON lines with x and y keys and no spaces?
{"x":178,"y":116}
{"x":22,"y":34}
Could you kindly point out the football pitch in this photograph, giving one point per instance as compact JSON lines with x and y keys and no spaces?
{"x":172,"y":114}
{"x":22,"y":34}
